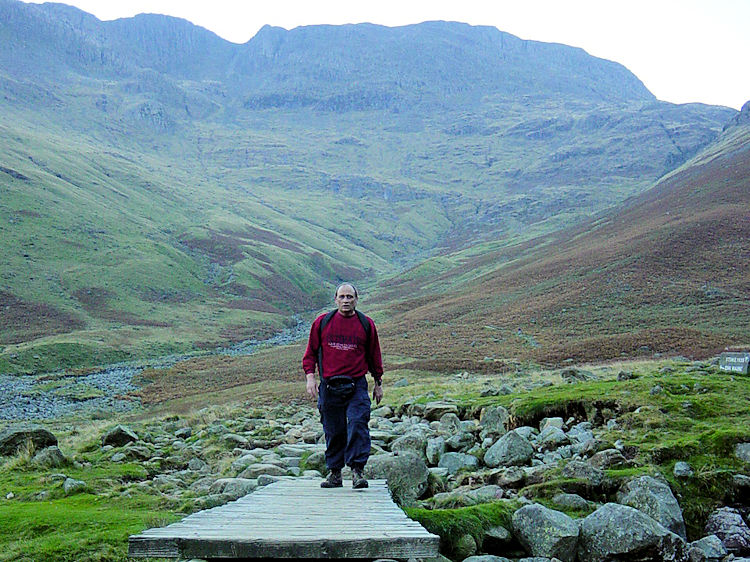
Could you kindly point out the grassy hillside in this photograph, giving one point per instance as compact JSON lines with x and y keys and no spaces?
{"x":667,"y":272}
{"x":152,"y":207}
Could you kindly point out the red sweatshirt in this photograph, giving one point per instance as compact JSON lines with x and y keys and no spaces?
{"x":344,"y":343}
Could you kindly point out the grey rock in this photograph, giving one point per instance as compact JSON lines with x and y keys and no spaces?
{"x":510,"y":450}
{"x":620,"y":532}
{"x":574,"y":375}
{"x":259,"y":469}
{"x":609,"y":458}
{"x":486,"y":558}
{"x":682,"y":470}
{"x":450,"y":423}
{"x":571,"y":501}
{"x":527,"y":432}
{"x":511,"y":477}
{"x":119,"y":436}
{"x":197,"y":465}
{"x":552,"y":437}
{"x":50,"y":457}
{"x":727,"y":524}
{"x":433,"y":411}
{"x":316,"y":461}
{"x":742,"y":451}
{"x":406,"y":474}
{"x":462,"y":441}
{"x":234,"y":440}
{"x":496,"y":538}
{"x":707,"y":549}
{"x":457,"y":461}
{"x":240,"y":464}
{"x":119,"y":457}
{"x":15,"y":437}
{"x":72,"y":486}
{"x":546,"y":532}
{"x":414,"y":441}
{"x":434,"y":449}
{"x":493,"y":421}
{"x":583,"y":471}
{"x":655,"y":499}
{"x":238,"y":487}
{"x":486,"y":494}
{"x":551,"y":422}
{"x":183,"y":433}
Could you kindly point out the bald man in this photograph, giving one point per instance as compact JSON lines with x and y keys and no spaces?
{"x":344,"y":346}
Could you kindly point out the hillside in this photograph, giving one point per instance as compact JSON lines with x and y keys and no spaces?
{"x":665,"y":272}
{"x":164,"y":190}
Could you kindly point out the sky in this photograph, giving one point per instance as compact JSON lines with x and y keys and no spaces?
{"x":682,"y":50}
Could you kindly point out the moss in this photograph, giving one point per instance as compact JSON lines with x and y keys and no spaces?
{"x":452,"y":524}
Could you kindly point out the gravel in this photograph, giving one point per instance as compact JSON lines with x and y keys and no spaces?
{"x":61,"y":395}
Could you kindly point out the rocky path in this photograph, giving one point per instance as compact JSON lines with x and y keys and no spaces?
{"x":59,"y":395}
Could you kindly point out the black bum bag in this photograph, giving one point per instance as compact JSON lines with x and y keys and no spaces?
{"x":341,"y":386}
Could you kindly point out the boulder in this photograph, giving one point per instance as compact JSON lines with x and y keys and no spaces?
{"x":574,"y":375}
{"x":682,"y":470}
{"x":461,"y":441}
{"x":493,"y":421}
{"x":557,"y":422}
{"x":486,"y":558}
{"x":707,"y":549}
{"x":435,"y":449}
{"x":414,"y":441}
{"x":15,"y":437}
{"x":742,"y":451}
{"x":456,"y":461}
{"x":727,"y":524}
{"x":51,"y":457}
{"x":238,"y":487}
{"x":119,"y":436}
{"x":450,"y":423}
{"x":510,"y":450}
{"x":579,"y":470}
{"x":620,"y":532}
{"x":552,"y":437}
{"x":655,"y":499}
{"x":609,"y":458}
{"x":433,"y":411}
{"x":72,"y":486}
{"x":406,"y":473}
{"x":256,"y":470}
{"x":546,"y":532}
{"x":571,"y":501}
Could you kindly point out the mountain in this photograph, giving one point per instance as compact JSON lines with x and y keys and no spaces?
{"x":665,"y":272}
{"x":164,"y":190}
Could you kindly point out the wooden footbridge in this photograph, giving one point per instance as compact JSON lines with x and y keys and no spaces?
{"x":294,"y":519}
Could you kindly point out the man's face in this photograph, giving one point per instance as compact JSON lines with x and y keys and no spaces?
{"x":345,"y":300}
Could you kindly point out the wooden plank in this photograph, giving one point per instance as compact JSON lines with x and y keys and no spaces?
{"x":294,"y":519}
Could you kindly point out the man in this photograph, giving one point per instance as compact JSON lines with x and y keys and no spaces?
{"x":344,"y":345}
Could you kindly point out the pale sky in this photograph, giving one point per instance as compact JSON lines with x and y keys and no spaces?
{"x":682,"y":50}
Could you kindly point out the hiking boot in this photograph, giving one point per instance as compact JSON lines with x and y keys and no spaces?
{"x":358,"y":480}
{"x":333,"y":481}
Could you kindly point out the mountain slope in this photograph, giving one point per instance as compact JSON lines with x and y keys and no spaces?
{"x":165,"y":190}
{"x":666,"y":272}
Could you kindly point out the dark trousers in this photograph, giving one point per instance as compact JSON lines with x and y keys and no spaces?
{"x":346,"y":426}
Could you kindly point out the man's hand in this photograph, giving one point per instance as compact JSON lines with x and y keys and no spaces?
{"x":377,"y":393}
{"x":312,"y":386}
